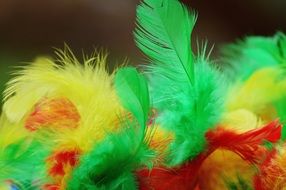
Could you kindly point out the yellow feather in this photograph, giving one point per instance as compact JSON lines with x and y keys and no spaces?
{"x":160,"y":142}
{"x":258,"y":93}
{"x":224,"y":166}
{"x":10,"y":133}
{"x":88,"y":87}
{"x":241,"y":120}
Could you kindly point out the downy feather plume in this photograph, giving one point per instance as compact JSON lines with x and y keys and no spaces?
{"x":186,"y":89}
{"x":111,"y":163}
{"x":78,"y":100}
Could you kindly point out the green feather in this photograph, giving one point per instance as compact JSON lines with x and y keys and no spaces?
{"x":245,"y":57}
{"x":186,"y":90}
{"x":163,"y":33}
{"x":132,"y":90}
{"x":281,"y":114}
{"x":23,"y":163}
{"x":111,"y":163}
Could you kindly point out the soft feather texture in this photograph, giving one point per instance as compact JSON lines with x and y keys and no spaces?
{"x":281,"y":114}
{"x":67,"y":125}
{"x":134,"y":94}
{"x":110,"y":164}
{"x":10,"y":132}
{"x":23,"y":163}
{"x":163,"y":33}
{"x":223,"y":170}
{"x":72,"y":106}
{"x":258,"y":93}
{"x":86,"y":88}
{"x":271,"y":173}
{"x":247,"y":145}
{"x":254,"y":53}
{"x":258,"y":64}
{"x":240,"y":120}
{"x":20,"y":156}
{"x":185,"y":89}
{"x":56,"y":113}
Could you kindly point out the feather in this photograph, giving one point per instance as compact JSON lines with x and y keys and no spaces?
{"x":177,"y":178}
{"x":57,"y":112}
{"x":23,"y":163}
{"x":186,"y":90}
{"x":73,"y":106}
{"x":20,"y":157}
{"x":79,"y":84}
{"x":223,"y":170}
{"x":258,"y":93}
{"x":245,"y":57}
{"x":240,"y":120}
{"x":70,"y":94}
{"x":133,"y":91}
{"x":160,"y":142}
{"x":271,"y":173}
{"x":110,"y":164}
{"x":281,"y":113}
{"x":158,"y":23}
{"x":247,"y":145}
{"x":258,"y":66}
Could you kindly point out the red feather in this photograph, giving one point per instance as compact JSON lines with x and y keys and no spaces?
{"x":57,"y":112}
{"x":162,"y":178}
{"x":247,"y":145}
{"x":266,"y":164}
{"x":60,"y":160}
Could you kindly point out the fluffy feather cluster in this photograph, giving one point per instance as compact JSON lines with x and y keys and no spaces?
{"x":182,"y":123}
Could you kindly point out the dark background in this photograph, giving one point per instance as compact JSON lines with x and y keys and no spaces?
{"x":29,"y":28}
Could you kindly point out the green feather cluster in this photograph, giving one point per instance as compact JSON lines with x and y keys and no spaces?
{"x":187,"y":90}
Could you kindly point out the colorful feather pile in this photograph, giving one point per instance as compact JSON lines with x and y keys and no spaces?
{"x":181,"y":123}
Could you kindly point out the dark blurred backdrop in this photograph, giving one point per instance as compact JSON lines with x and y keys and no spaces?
{"x":33,"y":27}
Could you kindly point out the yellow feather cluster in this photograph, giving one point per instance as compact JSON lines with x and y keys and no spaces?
{"x":87,"y":86}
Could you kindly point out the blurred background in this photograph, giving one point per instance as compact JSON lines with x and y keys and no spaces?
{"x":34,"y":27}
